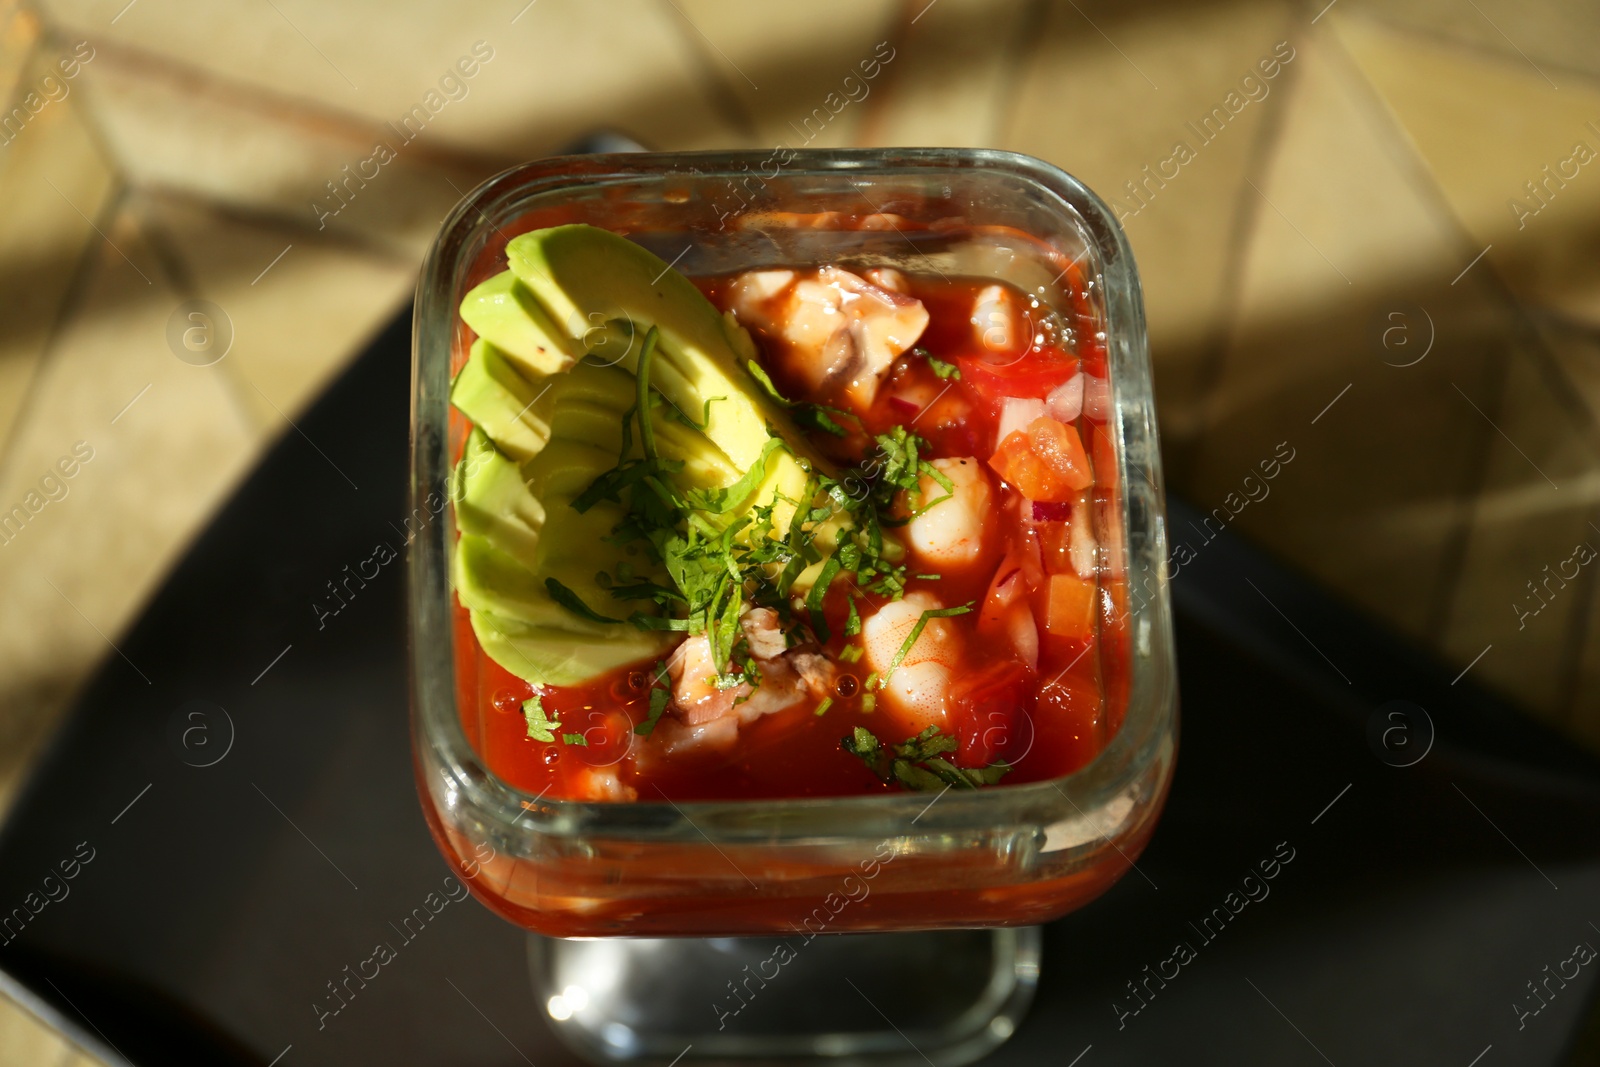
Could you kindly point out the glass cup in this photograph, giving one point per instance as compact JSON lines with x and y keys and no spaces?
{"x":752,"y":874}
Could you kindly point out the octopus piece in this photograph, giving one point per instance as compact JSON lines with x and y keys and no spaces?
{"x":706,"y":717}
{"x":833,"y":331}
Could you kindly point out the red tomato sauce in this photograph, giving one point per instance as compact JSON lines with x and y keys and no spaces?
{"x":1044,"y":720}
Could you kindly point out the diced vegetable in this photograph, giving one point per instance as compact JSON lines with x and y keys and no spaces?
{"x":1050,"y":510}
{"x":1006,"y":589}
{"x":1017,"y":413}
{"x":1046,"y":462}
{"x":1069,"y":607}
{"x":992,"y":378}
{"x":1065,"y":402}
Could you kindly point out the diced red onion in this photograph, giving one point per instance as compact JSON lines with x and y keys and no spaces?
{"x":1017,"y":413}
{"x":1065,"y":402}
{"x":1051,"y":511}
{"x":903,"y":406}
{"x":1024,"y":634}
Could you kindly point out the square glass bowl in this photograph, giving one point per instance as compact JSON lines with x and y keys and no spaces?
{"x":1000,"y":856}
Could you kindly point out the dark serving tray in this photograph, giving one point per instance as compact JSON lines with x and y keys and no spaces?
{"x":241,"y":783}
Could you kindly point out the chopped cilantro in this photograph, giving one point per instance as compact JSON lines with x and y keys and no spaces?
{"x":720,"y":501}
{"x":705,"y":415}
{"x":540,"y":726}
{"x":658,"y":702}
{"x":944,"y":370}
{"x":575,"y":739}
{"x":647,"y":430}
{"x":574,"y":603}
{"x":919,"y":762}
{"x":814,"y":416}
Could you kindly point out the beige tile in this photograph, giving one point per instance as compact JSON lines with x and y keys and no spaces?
{"x":785,"y":64}
{"x":1537,"y":500}
{"x":77,"y":572}
{"x":19,"y":35}
{"x":951,"y":79}
{"x":1551,"y":36}
{"x":1103,"y":99}
{"x":1346,"y":232}
{"x":175,"y":130}
{"x":1487,"y":126}
{"x":300,"y":307}
{"x":24,"y":1040}
{"x":558,"y":67}
{"x":53,"y":181}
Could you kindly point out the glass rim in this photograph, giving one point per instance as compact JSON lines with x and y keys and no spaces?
{"x":1150,"y":713}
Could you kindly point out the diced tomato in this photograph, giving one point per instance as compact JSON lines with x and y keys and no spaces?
{"x":991,"y":378}
{"x":1069,"y":607}
{"x":986,"y":708}
{"x":1045,"y":462}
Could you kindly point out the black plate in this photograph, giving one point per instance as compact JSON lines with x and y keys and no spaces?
{"x":243,"y":783}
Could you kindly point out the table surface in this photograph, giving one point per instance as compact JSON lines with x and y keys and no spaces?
{"x":220,"y":898}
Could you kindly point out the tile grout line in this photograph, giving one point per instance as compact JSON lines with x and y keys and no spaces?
{"x":1219,"y":339}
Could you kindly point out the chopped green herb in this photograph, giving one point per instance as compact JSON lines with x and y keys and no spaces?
{"x":720,"y":501}
{"x":919,"y":763}
{"x":916,"y":632}
{"x":659,"y":698}
{"x":540,"y":726}
{"x":850,"y":653}
{"x":943,"y":369}
{"x":815,"y":416}
{"x":822,"y":708}
{"x":575,"y":739}
{"x":574,"y":603}
{"x":705,"y":415}
{"x":647,"y":431}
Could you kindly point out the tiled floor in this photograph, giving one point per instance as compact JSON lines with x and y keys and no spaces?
{"x":1340,"y":266}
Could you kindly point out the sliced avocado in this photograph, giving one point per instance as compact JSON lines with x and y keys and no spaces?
{"x":539,"y":442}
{"x":490,"y":392}
{"x":503,"y":311}
{"x":582,"y":273}
{"x":492,"y":499}
{"x":558,"y":656}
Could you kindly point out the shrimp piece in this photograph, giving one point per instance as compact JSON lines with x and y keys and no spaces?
{"x":917,"y":693}
{"x":602,"y":783}
{"x":834,"y":330}
{"x":950,"y":532}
